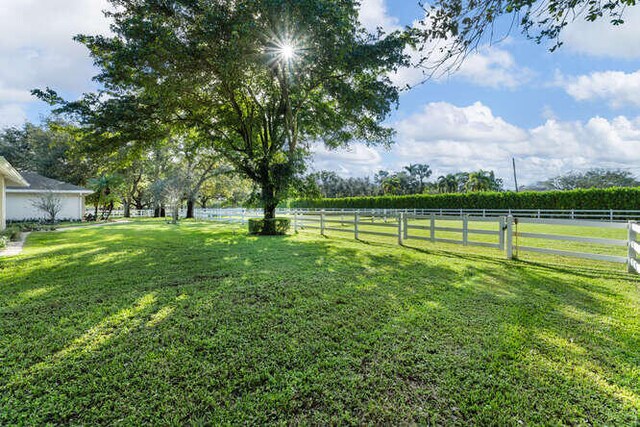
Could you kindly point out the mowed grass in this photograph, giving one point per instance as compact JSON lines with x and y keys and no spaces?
{"x":150,"y":323}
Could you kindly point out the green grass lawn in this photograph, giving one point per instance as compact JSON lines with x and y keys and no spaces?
{"x":201,"y":324}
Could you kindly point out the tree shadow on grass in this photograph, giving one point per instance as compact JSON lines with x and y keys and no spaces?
{"x":571,"y":266}
{"x":299,"y":329}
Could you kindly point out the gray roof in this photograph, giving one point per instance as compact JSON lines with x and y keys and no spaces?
{"x":42,"y":183}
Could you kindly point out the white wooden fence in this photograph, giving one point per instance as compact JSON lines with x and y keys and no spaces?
{"x":634,"y":249}
{"x":600,"y":214}
{"x":581,"y":239}
{"x":424,"y":225}
{"x":502,"y":232}
{"x":610,"y":215}
{"x":119,"y":213}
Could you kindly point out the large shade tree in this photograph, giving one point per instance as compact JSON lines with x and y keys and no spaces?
{"x":258,"y":80}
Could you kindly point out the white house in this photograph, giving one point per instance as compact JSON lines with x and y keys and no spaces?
{"x":8,"y":176}
{"x":20,"y":198}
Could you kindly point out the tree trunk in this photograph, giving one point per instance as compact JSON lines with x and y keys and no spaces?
{"x":175,"y":213}
{"x":270,"y":203}
{"x":270,"y":211}
{"x":269,"y":200}
{"x":190,"y":205}
{"x":127,"y":209}
{"x":106,"y":218}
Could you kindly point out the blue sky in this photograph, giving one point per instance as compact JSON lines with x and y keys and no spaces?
{"x":573,"y":109}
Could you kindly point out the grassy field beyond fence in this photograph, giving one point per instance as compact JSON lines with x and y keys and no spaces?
{"x":199,"y":323}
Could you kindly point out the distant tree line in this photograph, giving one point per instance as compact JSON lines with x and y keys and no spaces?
{"x":593,"y":178}
{"x":412,"y":179}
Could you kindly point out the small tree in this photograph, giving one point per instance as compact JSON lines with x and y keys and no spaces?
{"x":174,"y":192}
{"x":50,"y":204}
{"x":105,"y":193}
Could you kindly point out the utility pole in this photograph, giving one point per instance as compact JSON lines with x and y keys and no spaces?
{"x":515,"y":176}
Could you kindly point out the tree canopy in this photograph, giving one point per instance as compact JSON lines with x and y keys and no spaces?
{"x":49,"y":149}
{"x":593,"y":178}
{"x":462,"y":25}
{"x":258,"y":80}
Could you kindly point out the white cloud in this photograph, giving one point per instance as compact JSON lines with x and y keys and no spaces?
{"x":488,"y":67}
{"x":12,"y":115}
{"x":37,"y":50}
{"x":373,"y":14}
{"x":616,"y":88}
{"x":493,"y":67}
{"x":441,"y":121}
{"x":463,"y":138}
{"x":356,"y":160}
{"x":452,"y":138}
{"x":602,"y":39}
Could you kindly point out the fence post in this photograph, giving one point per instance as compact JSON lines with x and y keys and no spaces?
{"x":611,"y":215}
{"x":295,"y":221}
{"x":502,"y":225}
{"x":432,"y":228}
{"x":405,"y":227}
{"x":400,"y":222}
{"x":242,"y":221}
{"x":356,"y":218}
{"x":631,"y":254}
{"x":342,"y":218}
{"x":465,"y":230}
{"x":509,"y":237}
{"x":322,"y":222}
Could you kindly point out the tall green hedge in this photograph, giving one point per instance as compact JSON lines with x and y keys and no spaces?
{"x":610,"y":198}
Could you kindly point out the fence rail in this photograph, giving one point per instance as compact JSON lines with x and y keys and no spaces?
{"x":611,"y":215}
{"x":567,"y":238}
{"x":496,"y":229}
{"x":503,"y":233}
{"x":601,"y":214}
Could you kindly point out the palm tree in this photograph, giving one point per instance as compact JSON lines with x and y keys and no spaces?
{"x":483,"y":181}
{"x":419,"y":173}
{"x":392,"y":185}
{"x":448,"y":183}
{"x":104,"y":194}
